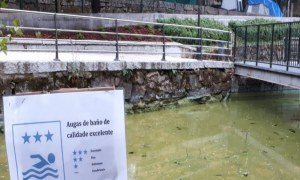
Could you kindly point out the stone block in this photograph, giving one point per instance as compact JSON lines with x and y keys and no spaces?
{"x":102,"y":81}
{"x":128,"y":88}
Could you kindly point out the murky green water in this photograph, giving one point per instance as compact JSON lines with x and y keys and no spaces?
{"x":254,"y":135}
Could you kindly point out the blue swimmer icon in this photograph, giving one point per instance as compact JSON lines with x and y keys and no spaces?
{"x":40,"y":165}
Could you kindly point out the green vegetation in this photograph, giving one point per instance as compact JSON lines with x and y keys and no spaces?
{"x":127,"y":73}
{"x":265,"y":30}
{"x":100,"y":28}
{"x":128,"y":28}
{"x":103,"y":36}
{"x":123,"y":37}
{"x":59,"y":33}
{"x":152,"y":31}
{"x":147,"y":25}
{"x":80,"y":36}
{"x":193,"y":33}
{"x":138,"y":38}
{"x":38,"y":34}
{"x":139,"y":26}
{"x":1,"y":33}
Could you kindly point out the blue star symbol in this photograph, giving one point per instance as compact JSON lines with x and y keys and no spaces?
{"x":80,"y":159}
{"x":37,"y":137}
{"x":74,"y":152}
{"x":79,"y":152}
{"x":85,"y":152}
{"x":49,"y":136}
{"x":75,"y":166}
{"x":75,"y":160}
{"x":26,"y":138}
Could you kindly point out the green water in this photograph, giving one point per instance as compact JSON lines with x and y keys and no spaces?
{"x":253,"y":136}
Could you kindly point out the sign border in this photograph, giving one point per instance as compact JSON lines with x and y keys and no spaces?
{"x":38,"y":123}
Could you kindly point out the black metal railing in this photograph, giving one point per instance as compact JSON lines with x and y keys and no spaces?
{"x":206,"y":47}
{"x":273,"y":44}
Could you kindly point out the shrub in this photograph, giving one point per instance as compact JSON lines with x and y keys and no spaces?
{"x":138,"y":38}
{"x":38,"y":34}
{"x":123,"y":37}
{"x":128,"y":28}
{"x":265,"y":30}
{"x":152,"y":31}
{"x":139,"y":26}
{"x":58,"y":33}
{"x":185,"y":32}
{"x":100,"y":28}
{"x":80,"y":36}
{"x":147,"y":25}
{"x":103,"y":36}
{"x":1,"y":33}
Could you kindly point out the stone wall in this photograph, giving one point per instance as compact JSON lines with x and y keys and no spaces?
{"x":118,"y":6}
{"x":145,"y":90}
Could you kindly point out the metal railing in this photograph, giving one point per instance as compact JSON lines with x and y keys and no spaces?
{"x":272,"y":44}
{"x":201,"y":43}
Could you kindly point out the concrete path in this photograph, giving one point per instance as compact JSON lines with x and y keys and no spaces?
{"x":41,"y":62}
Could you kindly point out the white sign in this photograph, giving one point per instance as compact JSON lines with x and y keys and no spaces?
{"x":67,"y":136}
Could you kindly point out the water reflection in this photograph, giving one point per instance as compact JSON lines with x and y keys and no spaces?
{"x":254,"y":136}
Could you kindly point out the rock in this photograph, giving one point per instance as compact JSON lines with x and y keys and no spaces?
{"x":152,"y":76}
{"x":102,"y":81}
{"x":138,"y":92}
{"x":127,"y":88}
{"x":194,"y":83}
{"x":117,"y":81}
{"x":139,"y":77}
{"x":246,"y":174}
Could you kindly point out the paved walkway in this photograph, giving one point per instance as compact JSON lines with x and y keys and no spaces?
{"x":277,"y":68}
{"x":40,"y":62}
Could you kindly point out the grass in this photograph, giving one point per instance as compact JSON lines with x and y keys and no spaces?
{"x":100,"y":28}
{"x":80,"y":36}
{"x":152,"y":31}
{"x":103,"y":36}
{"x":123,"y":37}
{"x":38,"y":34}
{"x":138,"y":38}
{"x":128,"y":28}
{"x":139,"y":26}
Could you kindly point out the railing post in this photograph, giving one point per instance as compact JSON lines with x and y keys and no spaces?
{"x":286,"y":44}
{"x":142,"y":7}
{"x":245,"y":50}
{"x":164,"y":44}
{"x":272,"y":44}
{"x":228,"y":39}
{"x":299,"y":47}
{"x":153,"y":6}
{"x":234,"y":44}
{"x":56,"y":6}
{"x":56,"y":41}
{"x":257,"y":44}
{"x":289,"y":47}
{"x":37,"y":5}
{"x":117,"y":40}
{"x":199,"y":49}
{"x":21,"y":4}
{"x":82,"y":6}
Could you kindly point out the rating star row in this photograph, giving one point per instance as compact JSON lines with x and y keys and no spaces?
{"x":37,"y":137}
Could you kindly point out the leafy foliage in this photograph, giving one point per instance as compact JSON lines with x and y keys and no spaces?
{"x":128,"y":28}
{"x":193,"y":33}
{"x":265,"y":31}
{"x":79,"y":36}
{"x":139,"y":26}
{"x":38,"y":34}
{"x":100,"y":28}
{"x":123,"y":37}
{"x":172,"y":72}
{"x":73,"y":73}
{"x":15,"y":30}
{"x":103,"y":36}
{"x":138,"y":38}
{"x":127,"y":73}
{"x":1,"y":33}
